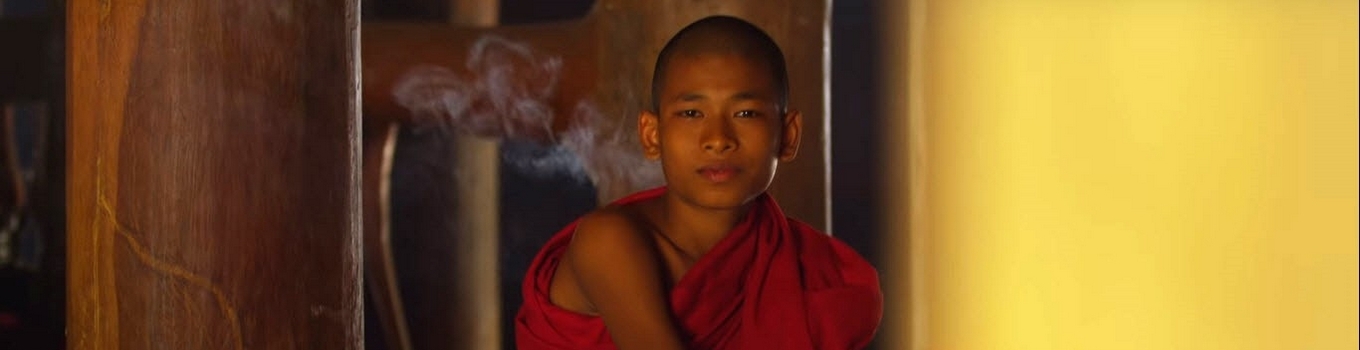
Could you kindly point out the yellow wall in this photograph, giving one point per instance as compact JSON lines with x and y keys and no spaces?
{"x":1141,"y":174}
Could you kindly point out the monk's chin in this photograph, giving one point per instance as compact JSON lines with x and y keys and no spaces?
{"x":722,"y":200}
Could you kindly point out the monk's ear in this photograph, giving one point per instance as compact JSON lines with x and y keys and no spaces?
{"x":647,"y":134}
{"x":790,"y":137}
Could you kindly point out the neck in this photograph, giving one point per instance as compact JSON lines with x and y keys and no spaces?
{"x":696,"y":229}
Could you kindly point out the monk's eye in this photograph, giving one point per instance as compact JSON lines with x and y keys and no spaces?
{"x":748,"y":114}
{"x":689,"y":113}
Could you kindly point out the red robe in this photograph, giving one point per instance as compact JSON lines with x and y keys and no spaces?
{"x":772,"y":283}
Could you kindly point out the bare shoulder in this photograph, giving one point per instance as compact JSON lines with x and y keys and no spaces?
{"x":616,"y":269}
{"x":604,"y":240}
{"x":608,"y":238}
{"x":612,"y":231}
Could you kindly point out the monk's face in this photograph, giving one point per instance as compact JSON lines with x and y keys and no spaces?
{"x":719,"y":131}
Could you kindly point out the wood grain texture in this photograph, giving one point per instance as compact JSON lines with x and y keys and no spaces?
{"x":214,"y":182}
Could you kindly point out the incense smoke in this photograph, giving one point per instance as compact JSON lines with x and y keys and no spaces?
{"x":505,"y":95}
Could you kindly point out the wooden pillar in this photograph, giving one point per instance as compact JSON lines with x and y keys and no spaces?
{"x":213,"y":196}
{"x":906,"y":219}
{"x":476,"y":319}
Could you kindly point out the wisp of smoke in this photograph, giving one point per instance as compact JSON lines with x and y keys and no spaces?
{"x":505,"y":96}
{"x":612,"y":159}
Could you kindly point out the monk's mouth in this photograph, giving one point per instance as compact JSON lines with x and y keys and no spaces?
{"x":718,"y":173}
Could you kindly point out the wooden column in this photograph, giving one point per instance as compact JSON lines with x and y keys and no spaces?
{"x":213,"y":196}
{"x":476,"y":319}
{"x":906,"y":219}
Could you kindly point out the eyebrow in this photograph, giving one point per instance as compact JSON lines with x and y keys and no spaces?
{"x":745,"y":96}
{"x":691,"y":97}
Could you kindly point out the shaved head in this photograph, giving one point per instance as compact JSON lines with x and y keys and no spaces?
{"x":723,"y":35}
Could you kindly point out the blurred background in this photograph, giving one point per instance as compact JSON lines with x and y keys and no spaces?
{"x":1125,"y":174}
{"x":1025,"y":174}
{"x":32,"y":175}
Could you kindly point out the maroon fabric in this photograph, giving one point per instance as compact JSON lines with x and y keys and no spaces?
{"x":772,"y":283}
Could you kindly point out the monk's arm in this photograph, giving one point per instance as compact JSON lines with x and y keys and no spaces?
{"x":618,"y":271}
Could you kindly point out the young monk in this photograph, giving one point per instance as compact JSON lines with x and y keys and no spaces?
{"x":708,"y":261}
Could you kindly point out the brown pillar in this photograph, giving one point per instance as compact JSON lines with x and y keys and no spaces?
{"x":476,"y":319}
{"x":213,"y":196}
{"x":907,"y":220}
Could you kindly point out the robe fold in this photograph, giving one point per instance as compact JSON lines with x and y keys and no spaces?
{"x":771,"y":283}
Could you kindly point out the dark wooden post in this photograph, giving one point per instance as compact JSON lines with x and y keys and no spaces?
{"x":214,"y":174}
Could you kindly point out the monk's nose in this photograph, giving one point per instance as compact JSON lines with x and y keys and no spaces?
{"x":718,"y":137}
